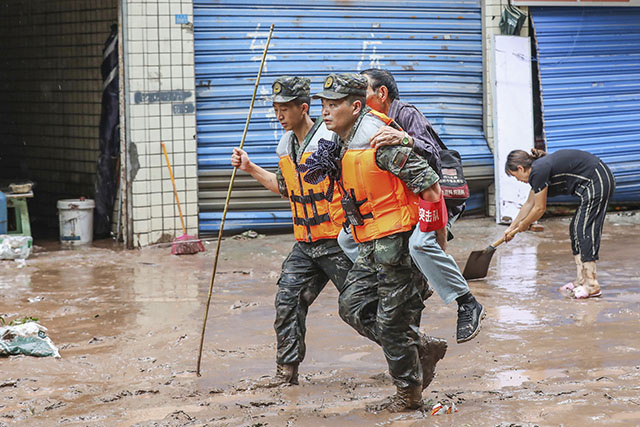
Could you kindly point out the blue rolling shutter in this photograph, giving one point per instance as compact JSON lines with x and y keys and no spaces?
{"x":589,"y":64}
{"x":433,"y":48}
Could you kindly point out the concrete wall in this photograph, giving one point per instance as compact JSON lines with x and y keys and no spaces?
{"x":161,"y":107}
{"x":50,"y":94}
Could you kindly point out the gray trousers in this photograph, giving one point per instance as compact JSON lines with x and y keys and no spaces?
{"x":436,"y":265}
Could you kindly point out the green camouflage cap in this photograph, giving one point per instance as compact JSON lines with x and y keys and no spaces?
{"x":287,"y":88}
{"x":338,"y":86}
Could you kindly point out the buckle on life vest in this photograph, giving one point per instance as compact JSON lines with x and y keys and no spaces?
{"x":307,"y":199}
{"x":315,"y":220}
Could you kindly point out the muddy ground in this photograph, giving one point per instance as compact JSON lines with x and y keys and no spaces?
{"x":128,"y":326}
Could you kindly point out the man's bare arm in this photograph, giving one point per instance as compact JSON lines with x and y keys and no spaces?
{"x":240,"y":159}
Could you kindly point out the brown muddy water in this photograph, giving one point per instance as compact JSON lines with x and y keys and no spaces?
{"x":128,"y":327}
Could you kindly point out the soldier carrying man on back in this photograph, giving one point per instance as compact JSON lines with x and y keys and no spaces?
{"x":381,"y":190}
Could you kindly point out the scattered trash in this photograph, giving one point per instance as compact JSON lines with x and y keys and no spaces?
{"x":15,"y":247}
{"x":447,"y":408}
{"x":241,"y":304}
{"x":9,"y":383}
{"x":249,"y":234}
{"x":179,"y":418}
{"x":139,"y":392}
{"x":113,"y":398}
{"x":35,"y":299}
{"x":28,"y":338}
{"x":100,"y":339}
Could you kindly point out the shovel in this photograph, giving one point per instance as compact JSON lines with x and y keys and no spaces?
{"x":478,"y":261}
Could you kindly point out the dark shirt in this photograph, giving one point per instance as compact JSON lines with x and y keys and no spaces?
{"x":416,"y":124}
{"x":563,"y":171}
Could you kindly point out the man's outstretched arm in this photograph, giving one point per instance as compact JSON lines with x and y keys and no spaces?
{"x":240,"y":159}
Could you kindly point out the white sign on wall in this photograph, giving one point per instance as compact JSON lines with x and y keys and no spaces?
{"x":512,"y":118}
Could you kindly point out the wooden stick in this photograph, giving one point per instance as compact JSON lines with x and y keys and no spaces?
{"x":226,"y":203}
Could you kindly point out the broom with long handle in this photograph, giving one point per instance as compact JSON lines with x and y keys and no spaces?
{"x":226,"y":203}
{"x":184,"y":244}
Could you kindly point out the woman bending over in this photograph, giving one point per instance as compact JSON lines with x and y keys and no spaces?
{"x":572,"y":172}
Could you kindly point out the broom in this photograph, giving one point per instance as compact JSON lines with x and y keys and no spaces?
{"x":184,"y":244}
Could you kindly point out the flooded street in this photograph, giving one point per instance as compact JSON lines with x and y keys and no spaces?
{"x":128,"y":327}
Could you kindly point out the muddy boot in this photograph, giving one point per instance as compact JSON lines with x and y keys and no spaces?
{"x":285,"y":374}
{"x":405,"y":399}
{"x":579,"y":281}
{"x":431,"y":350}
{"x":591,"y":287}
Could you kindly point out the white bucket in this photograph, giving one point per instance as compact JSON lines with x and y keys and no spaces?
{"x":76,"y":221}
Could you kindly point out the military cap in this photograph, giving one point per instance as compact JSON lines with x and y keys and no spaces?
{"x":287,"y":88}
{"x":338,"y":86}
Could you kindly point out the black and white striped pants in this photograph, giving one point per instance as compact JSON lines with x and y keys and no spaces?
{"x":586,"y":225}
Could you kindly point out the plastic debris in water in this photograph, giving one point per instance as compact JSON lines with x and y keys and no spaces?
{"x":249,"y":234}
{"x":28,"y":338}
{"x":15,"y":247}
{"x":440,"y":409}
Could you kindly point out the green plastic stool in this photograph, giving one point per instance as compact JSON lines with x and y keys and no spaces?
{"x":19,"y":204}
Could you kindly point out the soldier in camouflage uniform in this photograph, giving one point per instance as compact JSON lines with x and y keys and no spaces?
{"x":316,"y":257}
{"x":382,"y":293}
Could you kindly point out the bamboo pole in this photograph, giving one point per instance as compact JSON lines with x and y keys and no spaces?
{"x":226,"y":203}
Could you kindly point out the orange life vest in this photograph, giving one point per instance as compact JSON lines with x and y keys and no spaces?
{"x":314,"y":217}
{"x":382,"y":116}
{"x":385,"y":202}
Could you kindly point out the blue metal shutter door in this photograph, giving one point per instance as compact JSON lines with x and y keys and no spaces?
{"x":434,"y":50}
{"x":589,"y":64}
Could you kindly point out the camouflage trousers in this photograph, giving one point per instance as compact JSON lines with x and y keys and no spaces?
{"x":382,"y":300}
{"x":304,"y":275}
